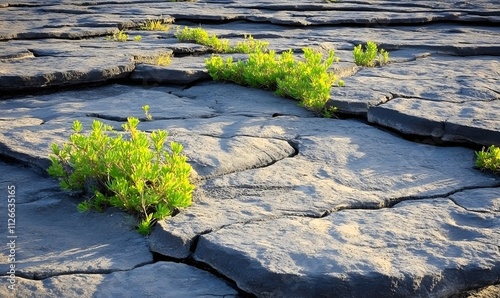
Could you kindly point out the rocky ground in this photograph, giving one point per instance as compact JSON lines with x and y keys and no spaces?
{"x":381,"y":201}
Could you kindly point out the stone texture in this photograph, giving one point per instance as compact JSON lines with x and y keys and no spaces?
{"x":178,"y":280}
{"x":54,"y":239}
{"x":339,"y":165}
{"x":414,"y":249}
{"x":287,"y":204}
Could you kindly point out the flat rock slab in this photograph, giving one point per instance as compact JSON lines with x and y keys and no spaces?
{"x":414,"y":249}
{"x":177,"y":280}
{"x":287,"y":204}
{"x":52,"y":238}
{"x":338,"y":165}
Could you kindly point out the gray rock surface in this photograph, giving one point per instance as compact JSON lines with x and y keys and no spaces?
{"x":177,"y":280}
{"x":416,"y":249}
{"x":287,"y":204}
{"x":54,"y":239}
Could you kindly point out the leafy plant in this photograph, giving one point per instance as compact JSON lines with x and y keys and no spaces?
{"x":162,"y":59}
{"x":489,"y":159}
{"x":309,"y":81}
{"x":137,"y":38}
{"x":155,"y":25}
{"x":131,"y":171}
{"x":201,"y":36}
{"x":368,"y":55}
{"x":120,"y":36}
{"x":146,"y":112}
{"x":249,"y":45}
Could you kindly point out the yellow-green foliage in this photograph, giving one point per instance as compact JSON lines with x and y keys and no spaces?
{"x":201,"y":36}
{"x":489,"y":159}
{"x":368,"y":55}
{"x":130,"y":171}
{"x":120,"y":36}
{"x":308,"y":81}
{"x":155,"y":25}
{"x":249,"y":45}
{"x":162,"y":59}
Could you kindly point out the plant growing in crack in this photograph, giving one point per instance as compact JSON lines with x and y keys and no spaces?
{"x":201,"y":36}
{"x":489,"y":159}
{"x":131,"y":171}
{"x":308,"y":80}
{"x":161,"y":59}
{"x":370,"y":55}
{"x":155,"y":25}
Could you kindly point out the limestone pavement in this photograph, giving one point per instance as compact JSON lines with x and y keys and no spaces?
{"x":381,"y":201}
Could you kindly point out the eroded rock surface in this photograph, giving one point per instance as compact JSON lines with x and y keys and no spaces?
{"x":287,"y":204}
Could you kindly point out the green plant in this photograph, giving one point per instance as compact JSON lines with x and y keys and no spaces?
{"x":201,"y":36}
{"x":155,"y":25}
{"x":308,"y":81}
{"x":489,"y":159}
{"x":146,"y":112}
{"x":162,"y":59}
{"x":131,"y":171}
{"x":368,"y":55}
{"x":137,"y":38}
{"x":120,"y":36}
{"x":249,"y":45}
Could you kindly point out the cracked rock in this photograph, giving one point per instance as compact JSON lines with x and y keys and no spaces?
{"x":420,"y":248}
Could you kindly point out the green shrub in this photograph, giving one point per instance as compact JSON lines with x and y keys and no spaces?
{"x":201,"y":36}
{"x":308,"y":81}
{"x":124,"y":172}
{"x":249,"y":45}
{"x":120,"y":36}
{"x":161,"y":59}
{"x":155,"y":25}
{"x":367,"y":56}
{"x":489,"y":159}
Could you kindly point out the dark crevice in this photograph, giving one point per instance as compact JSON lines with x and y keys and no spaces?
{"x":190,"y":261}
{"x":394,"y":202}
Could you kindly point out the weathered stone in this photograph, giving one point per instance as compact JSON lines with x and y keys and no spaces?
{"x":340,"y":164}
{"x":25,"y":73}
{"x":472,"y":122}
{"x":478,"y":200}
{"x":414,"y":249}
{"x":276,"y":186}
{"x":52,"y":238}
{"x":177,"y":280}
{"x":180,"y":71}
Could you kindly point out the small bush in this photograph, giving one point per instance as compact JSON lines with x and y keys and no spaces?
{"x":120,"y":36}
{"x":201,"y":36}
{"x":124,"y":172}
{"x":155,"y":25}
{"x":367,"y":56}
{"x":308,"y":81}
{"x":162,"y":59}
{"x":249,"y":45}
{"x":489,"y":159}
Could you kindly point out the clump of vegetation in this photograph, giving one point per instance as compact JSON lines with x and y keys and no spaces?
{"x":162,"y":59}
{"x":121,"y":170}
{"x":489,"y":159}
{"x":249,"y":45}
{"x":308,"y":81}
{"x":201,"y":36}
{"x":121,"y":36}
{"x":370,"y":55}
{"x":155,"y":25}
